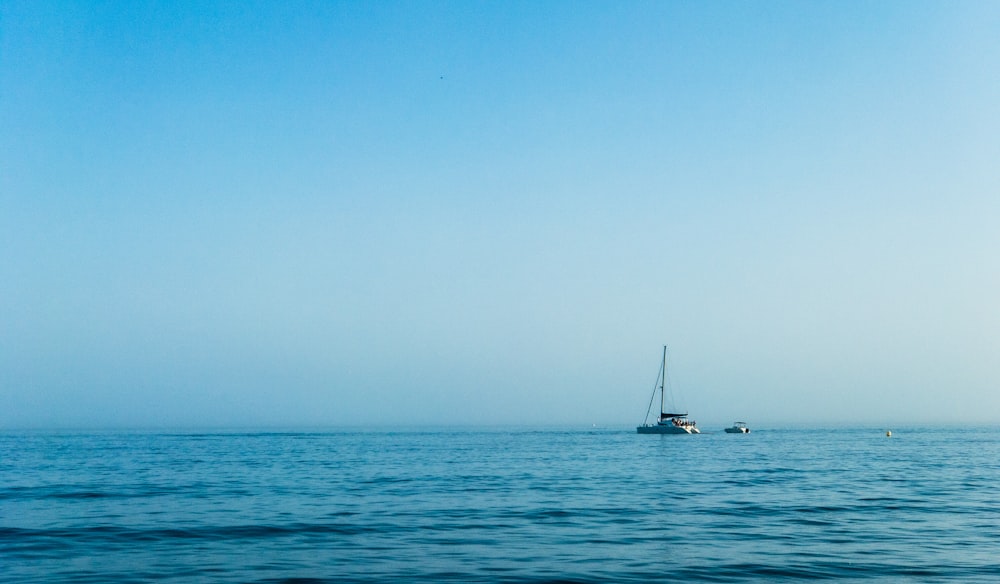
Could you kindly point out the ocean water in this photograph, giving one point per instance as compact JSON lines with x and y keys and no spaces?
{"x":501,"y":505}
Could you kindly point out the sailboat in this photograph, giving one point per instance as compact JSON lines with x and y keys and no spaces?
{"x":668,"y":422}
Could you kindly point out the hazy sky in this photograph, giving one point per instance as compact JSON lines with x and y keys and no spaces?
{"x":329,"y":213}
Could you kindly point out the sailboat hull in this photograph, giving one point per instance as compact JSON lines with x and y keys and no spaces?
{"x":665,"y":429}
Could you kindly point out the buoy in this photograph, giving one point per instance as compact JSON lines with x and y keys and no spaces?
{"x":888,"y":433}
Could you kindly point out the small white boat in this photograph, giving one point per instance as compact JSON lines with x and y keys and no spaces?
{"x":738,"y":428}
{"x":667,"y":423}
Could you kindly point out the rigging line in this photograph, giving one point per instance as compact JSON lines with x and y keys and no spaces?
{"x":669,"y":388}
{"x":652,"y":397}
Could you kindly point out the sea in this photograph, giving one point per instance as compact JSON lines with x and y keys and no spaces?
{"x":501,"y":505}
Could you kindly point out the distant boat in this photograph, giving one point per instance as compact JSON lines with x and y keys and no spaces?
{"x":667,"y":423}
{"x":738,"y":428}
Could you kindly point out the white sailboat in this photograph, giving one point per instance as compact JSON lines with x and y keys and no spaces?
{"x":668,"y":422}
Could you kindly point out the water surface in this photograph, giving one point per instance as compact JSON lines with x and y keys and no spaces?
{"x":501,"y":505}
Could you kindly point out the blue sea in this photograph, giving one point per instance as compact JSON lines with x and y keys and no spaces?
{"x":501,"y":505}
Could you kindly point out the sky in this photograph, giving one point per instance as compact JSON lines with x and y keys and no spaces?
{"x":243,"y":214}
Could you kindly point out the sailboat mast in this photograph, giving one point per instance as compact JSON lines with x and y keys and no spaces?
{"x":663,"y":378}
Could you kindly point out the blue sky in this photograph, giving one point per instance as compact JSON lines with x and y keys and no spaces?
{"x":280,"y":213}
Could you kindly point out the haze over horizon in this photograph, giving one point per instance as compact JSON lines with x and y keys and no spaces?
{"x":336,"y":213}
